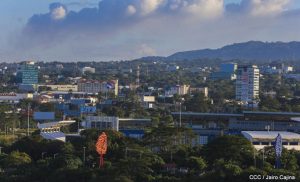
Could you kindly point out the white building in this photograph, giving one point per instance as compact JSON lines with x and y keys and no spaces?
{"x":95,"y":86}
{"x":63,"y":88}
{"x":13,"y":97}
{"x":247,"y":83}
{"x":148,"y":101}
{"x":88,"y":70}
{"x":261,"y":139}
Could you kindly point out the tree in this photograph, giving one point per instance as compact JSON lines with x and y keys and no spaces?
{"x":198,"y":103}
{"x":15,"y":159}
{"x":197,"y":163}
{"x":230,"y":148}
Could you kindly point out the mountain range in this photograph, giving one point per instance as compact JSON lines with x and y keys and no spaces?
{"x":252,"y":50}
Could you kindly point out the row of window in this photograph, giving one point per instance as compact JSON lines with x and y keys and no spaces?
{"x":273,"y":143}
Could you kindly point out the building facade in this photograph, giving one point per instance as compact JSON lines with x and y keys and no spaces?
{"x":29,"y":73}
{"x":95,"y":86}
{"x":247,"y":83}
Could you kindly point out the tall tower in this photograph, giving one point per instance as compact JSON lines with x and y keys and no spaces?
{"x":247,"y":83}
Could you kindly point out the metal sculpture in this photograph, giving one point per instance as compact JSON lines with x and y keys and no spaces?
{"x":101,"y":147}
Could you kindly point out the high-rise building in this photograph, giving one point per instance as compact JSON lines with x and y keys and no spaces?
{"x":29,"y":73}
{"x":247,"y":83}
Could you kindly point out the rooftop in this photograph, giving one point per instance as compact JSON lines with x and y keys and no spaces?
{"x":270,"y":134}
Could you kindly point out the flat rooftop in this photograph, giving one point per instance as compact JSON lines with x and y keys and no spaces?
{"x":270,"y":134}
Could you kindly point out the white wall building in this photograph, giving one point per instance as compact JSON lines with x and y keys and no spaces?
{"x":261,"y":139}
{"x":95,"y":86}
{"x":247,"y":83}
{"x":13,"y":97}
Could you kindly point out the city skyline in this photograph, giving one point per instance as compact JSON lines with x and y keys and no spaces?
{"x":87,"y":31}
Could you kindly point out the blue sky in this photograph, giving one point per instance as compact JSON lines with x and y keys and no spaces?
{"x":81,"y":30}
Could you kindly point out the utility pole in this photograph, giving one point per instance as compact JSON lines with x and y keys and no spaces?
{"x":28,"y":107}
{"x":180,"y":114}
{"x":84,"y":156}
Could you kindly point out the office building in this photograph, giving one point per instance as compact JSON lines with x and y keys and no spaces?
{"x":29,"y":73}
{"x":247,"y":83}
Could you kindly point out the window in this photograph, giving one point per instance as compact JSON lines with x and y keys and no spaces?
{"x":293,"y":143}
{"x":265,"y":143}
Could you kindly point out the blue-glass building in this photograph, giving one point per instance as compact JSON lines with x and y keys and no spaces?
{"x":29,"y":73}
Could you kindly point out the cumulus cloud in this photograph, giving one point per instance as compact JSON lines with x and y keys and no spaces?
{"x":123,"y":29}
{"x":259,"y":7}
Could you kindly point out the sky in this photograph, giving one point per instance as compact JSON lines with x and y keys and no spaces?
{"x":105,"y":30}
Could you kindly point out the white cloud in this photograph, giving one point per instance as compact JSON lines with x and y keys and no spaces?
{"x":58,"y":13}
{"x":149,"y":6}
{"x":268,"y":7}
{"x":131,"y":10}
{"x":146,"y":50}
{"x":206,"y":8}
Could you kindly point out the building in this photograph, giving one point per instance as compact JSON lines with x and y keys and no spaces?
{"x":228,"y":68}
{"x":101,"y":122}
{"x":63,"y":88}
{"x":95,"y":86}
{"x":148,"y":101}
{"x":13,"y":97}
{"x":247,"y":83}
{"x":88,"y":70}
{"x":178,"y":89}
{"x":261,"y":139}
{"x":287,"y":69}
{"x":29,"y":72}
{"x":227,"y":72}
{"x":207,"y":126}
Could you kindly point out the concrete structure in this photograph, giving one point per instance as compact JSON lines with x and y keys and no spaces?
{"x":247,"y":83}
{"x":101,"y":122}
{"x":94,"y":86}
{"x":148,"y":101}
{"x":261,"y":139}
{"x":51,"y":130}
{"x":287,"y":69}
{"x":63,"y":88}
{"x":88,"y":70}
{"x":115,"y":123}
{"x":13,"y":97}
{"x":207,"y":126}
{"x":178,"y":89}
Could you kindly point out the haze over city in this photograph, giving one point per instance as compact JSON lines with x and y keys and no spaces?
{"x":93,"y":30}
